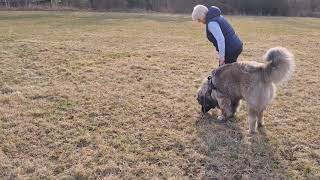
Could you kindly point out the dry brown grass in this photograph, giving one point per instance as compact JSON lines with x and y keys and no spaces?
{"x":93,"y":95}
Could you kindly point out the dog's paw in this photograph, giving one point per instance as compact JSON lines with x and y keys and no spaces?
{"x":252,"y":132}
{"x":260,"y":125}
{"x":221,"y":118}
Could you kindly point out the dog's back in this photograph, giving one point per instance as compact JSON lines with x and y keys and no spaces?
{"x":237,"y":78}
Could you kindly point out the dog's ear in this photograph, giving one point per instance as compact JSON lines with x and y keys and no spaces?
{"x":213,"y":103}
{"x":207,"y":102}
{"x":201,"y":98}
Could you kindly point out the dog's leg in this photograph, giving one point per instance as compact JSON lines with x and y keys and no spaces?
{"x":226,"y":109}
{"x":221,"y":117}
{"x":252,"y":119}
{"x":235,"y":106}
{"x":260,"y":119}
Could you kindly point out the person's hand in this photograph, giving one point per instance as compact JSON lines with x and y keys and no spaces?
{"x":221,"y":61}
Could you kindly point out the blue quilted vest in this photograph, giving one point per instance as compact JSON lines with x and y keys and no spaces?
{"x":232,"y":41}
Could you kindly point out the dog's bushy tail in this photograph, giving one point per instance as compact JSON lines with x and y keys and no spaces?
{"x":280,"y":65}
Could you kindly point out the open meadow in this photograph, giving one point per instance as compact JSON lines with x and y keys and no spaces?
{"x":87,"y":95}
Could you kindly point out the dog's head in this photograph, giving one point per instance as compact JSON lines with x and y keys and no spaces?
{"x":205,"y":98}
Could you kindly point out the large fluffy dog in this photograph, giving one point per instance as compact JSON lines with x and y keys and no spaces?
{"x":251,"y":81}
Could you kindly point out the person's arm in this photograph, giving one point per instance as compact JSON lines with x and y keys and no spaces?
{"x":215,"y":29}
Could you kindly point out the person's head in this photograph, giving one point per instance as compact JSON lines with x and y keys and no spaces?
{"x":199,"y":13}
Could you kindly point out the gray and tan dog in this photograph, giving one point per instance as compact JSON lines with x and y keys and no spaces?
{"x":251,"y":81}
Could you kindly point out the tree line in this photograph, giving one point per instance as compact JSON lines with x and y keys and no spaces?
{"x":245,"y":7}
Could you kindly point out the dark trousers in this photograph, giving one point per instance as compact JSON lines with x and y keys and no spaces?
{"x":231,"y":58}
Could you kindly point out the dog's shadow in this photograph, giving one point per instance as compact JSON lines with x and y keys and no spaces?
{"x":232,"y":153}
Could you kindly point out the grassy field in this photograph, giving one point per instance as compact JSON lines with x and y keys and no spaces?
{"x":112,"y":95}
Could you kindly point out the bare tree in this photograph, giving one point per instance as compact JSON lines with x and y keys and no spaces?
{"x":253,"y":7}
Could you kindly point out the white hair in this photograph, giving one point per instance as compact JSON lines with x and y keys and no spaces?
{"x":199,"y":11}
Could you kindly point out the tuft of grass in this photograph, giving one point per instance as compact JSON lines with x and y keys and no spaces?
{"x":64,"y":104}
